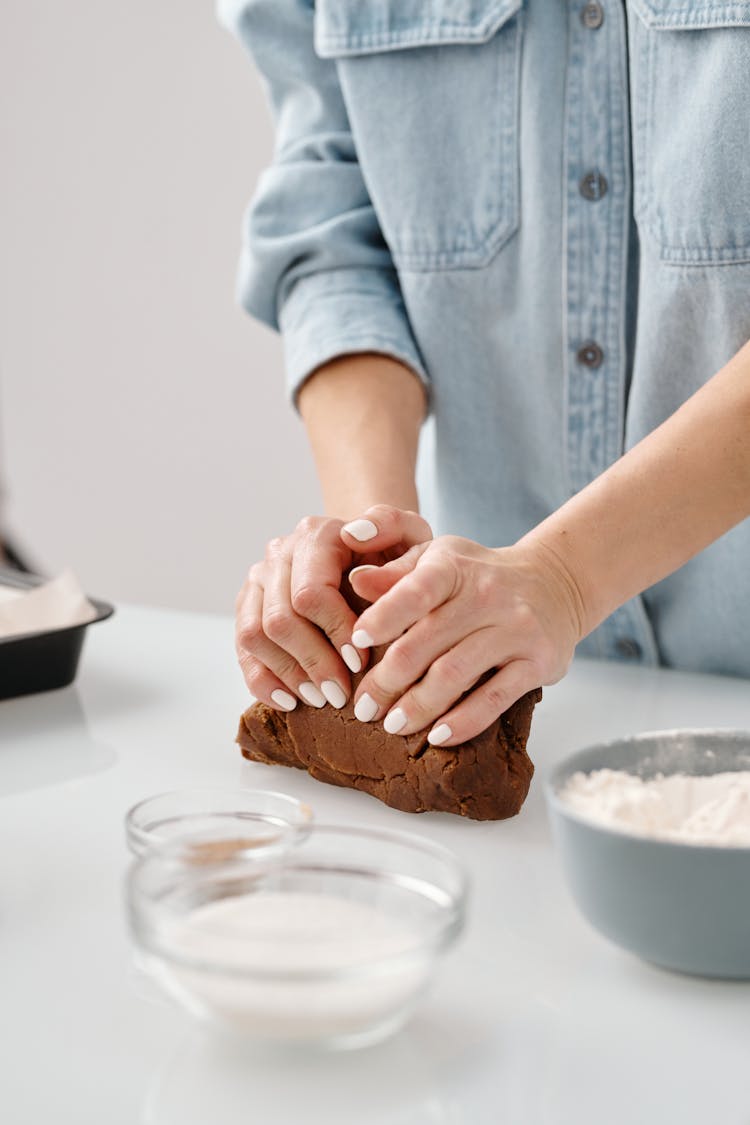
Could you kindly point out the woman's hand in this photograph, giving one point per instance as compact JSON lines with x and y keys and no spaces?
{"x":293,"y":626}
{"x":455,"y":610}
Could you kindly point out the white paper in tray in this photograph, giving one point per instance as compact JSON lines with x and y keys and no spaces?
{"x":54,"y":605}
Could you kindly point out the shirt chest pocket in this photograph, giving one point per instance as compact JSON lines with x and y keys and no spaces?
{"x":431,"y":89}
{"x":690,"y":93}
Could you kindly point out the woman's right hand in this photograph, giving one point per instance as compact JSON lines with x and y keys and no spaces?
{"x":293,"y":625}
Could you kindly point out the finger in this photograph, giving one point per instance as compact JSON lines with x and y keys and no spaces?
{"x":446,"y":679}
{"x":485,"y":704}
{"x":265,"y":667}
{"x":254,"y":577}
{"x":383,"y":526}
{"x":264,"y":686}
{"x":407,"y":659}
{"x":429,"y":585}
{"x":318,"y":563}
{"x":299,"y":637}
{"x":286,"y":672}
{"x":371,"y":582}
{"x":248,"y":629}
{"x":354,"y":576}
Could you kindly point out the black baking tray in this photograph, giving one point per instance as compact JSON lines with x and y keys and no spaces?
{"x":41,"y":661}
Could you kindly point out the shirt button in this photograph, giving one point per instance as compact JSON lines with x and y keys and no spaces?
{"x":592,"y":15}
{"x":593,"y":186}
{"x":628,"y":648}
{"x":590,"y":354}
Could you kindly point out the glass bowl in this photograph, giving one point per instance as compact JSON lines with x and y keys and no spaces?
{"x":218,"y":818}
{"x":679,"y":905}
{"x":331,"y":944}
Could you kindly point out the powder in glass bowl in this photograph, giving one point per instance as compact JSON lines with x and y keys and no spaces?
{"x":292,"y":965}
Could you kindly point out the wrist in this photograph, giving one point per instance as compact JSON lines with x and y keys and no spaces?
{"x":551,"y":559}
{"x":363,"y":414}
{"x":350,"y":495}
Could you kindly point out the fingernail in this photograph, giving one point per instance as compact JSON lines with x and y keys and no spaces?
{"x":311,"y":695}
{"x":283,"y":699}
{"x":361,"y":530}
{"x":333,"y":692}
{"x":362,"y":639}
{"x":362,"y":566}
{"x":394,"y":720}
{"x":365,"y":709}
{"x":439,"y":735}
{"x":352,"y":659}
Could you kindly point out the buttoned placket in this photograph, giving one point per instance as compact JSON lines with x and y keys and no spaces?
{"x":597,"y":210}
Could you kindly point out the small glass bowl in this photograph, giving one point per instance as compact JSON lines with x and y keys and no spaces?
{"x":331,"y":944}
{"x":218,"y":819}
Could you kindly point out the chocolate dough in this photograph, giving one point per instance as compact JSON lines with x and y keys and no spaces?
{"x":486,"y":778}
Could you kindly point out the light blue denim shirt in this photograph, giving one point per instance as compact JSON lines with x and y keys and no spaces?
{"x":541,"y":207}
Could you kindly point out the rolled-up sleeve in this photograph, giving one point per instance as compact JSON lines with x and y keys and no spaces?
{"x":314,"y":263}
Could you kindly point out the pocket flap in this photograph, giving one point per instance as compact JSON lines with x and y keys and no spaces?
{"x":692,"y":15}
{"x":359,"y":27}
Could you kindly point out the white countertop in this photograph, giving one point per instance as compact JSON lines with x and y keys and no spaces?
{"x":535,"y":1019}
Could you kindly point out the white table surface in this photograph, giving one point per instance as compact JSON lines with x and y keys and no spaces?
{"x":535,"y":1019}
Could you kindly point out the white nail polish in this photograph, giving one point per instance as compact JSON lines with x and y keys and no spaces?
{"x":363,"y":566}
{"x":351,"y":658}
{"x":333,"y":692}
{"x":395,"y":720}
{"x":362,"y":639}
{"x":311,"y":694}
{"x":439,"y":735}
{"x":361,"y":530}
{"x":283,"y":699}
{"x":366,"y":708}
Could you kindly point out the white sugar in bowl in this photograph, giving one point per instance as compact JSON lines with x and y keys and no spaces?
{"x":333,"y":943}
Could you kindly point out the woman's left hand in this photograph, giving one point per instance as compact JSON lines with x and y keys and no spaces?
{"x":453,"y":610}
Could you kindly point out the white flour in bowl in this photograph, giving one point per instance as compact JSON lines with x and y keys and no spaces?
{"x":687,"y":809}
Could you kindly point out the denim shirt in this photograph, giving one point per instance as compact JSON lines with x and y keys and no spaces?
{"x":543,"y":208}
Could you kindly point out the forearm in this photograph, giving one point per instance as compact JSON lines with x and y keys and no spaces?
{"x":669,"y":497}
{"x":363,"y":414}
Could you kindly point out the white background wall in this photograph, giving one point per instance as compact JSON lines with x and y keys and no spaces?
{"x":146,"y":440}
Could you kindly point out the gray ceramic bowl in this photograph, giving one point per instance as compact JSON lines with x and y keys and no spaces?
{"x":680,"y":906}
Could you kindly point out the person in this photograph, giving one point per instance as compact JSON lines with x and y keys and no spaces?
{"x":521,"y":229}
